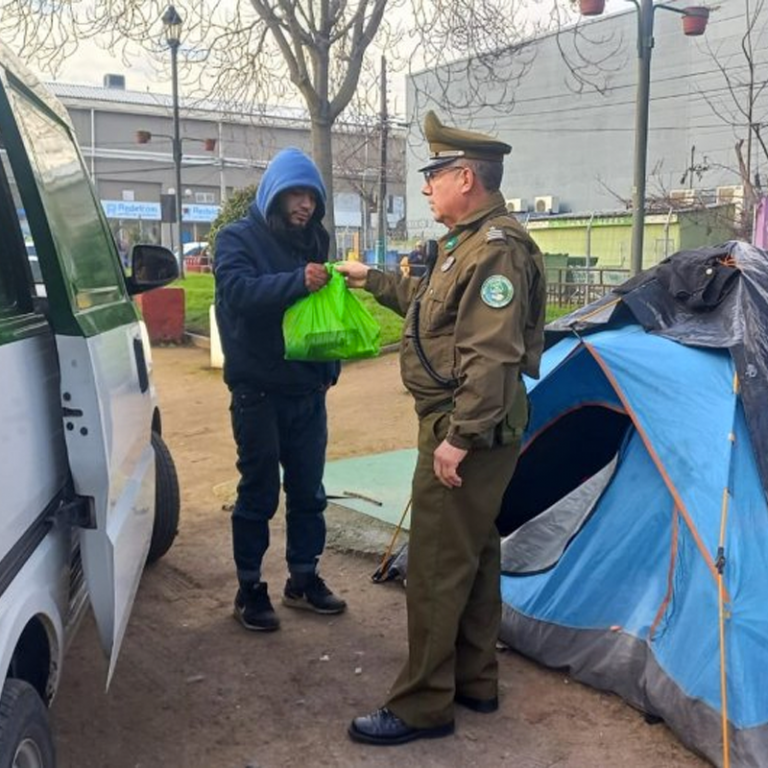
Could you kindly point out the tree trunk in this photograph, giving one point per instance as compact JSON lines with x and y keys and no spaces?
{"x":323,"y":157}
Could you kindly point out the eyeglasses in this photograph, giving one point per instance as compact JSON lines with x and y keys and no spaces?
{"x":430,"y":174}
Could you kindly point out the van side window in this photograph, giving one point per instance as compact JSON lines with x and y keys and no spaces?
{"x":85,"y":246}
{"x":15,"y":289}
{"x":17,"y":224}
{"x":7,"y":299}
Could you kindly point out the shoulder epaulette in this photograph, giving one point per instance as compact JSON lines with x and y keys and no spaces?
{"x":513,"y":230}
{"x":495,"y":235}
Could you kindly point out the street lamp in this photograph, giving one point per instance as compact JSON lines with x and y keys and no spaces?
{"x":172,"y":23}
{"x":694,"y":23}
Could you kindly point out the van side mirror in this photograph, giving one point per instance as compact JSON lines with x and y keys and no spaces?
{"x":152,"y":266}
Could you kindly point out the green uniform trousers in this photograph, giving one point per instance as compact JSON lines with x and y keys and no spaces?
{"x":453,"y":581}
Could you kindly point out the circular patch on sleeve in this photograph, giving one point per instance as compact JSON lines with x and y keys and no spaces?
{"x":497,"y":291}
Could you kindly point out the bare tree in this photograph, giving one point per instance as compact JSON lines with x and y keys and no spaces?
{"x":745,"y":77}
{"x":477,"y":53}
{"x":272,"y":52}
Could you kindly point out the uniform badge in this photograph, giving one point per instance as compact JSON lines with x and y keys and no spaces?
{"x":495,"y":235}
{"x":447,"y":264}
{"x":451,"y":242}
{"x":497,"y":291}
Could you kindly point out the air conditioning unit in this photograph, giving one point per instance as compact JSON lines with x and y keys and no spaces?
{"x":682,"y":196}
{"x":516,"y":205}
{"x":732,"y":194}
{"x":116,"y":82}
{"x":546,"y":204}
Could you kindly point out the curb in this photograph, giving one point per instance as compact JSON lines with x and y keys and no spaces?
{"x":197,"y":340}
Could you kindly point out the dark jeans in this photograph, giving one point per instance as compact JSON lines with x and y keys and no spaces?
{"x":271,"y":431}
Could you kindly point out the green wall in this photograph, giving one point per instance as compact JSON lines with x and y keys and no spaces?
{"x":611,"y":236}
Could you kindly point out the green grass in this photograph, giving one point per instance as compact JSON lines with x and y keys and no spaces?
{"x":553,"y":312}
{"x":198,"y":290}
{"x":198,"y":297}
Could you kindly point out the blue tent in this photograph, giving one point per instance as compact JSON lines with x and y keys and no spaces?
{"x":637,"y":548}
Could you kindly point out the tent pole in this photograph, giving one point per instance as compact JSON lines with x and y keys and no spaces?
{"x":720,"y":565}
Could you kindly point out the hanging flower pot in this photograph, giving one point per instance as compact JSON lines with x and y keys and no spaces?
{"x":695,"y":20}
{"x":210,"y":144}
{"x":591,"y":7}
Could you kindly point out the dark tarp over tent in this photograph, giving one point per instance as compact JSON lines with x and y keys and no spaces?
{"x":636,"y":554}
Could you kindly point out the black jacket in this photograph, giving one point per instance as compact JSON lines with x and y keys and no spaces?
{"x":258,"y":276}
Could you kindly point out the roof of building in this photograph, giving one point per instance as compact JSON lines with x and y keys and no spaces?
{"x":119,"y":97}
{"x":211,"y":109}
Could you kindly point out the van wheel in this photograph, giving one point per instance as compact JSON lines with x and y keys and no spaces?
{"x":167,"y":501}
{"x":25,"y":735}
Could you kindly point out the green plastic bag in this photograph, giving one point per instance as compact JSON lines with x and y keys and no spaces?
{"x":330,"y":324}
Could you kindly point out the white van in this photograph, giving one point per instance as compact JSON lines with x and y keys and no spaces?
{"x":88,"y":490}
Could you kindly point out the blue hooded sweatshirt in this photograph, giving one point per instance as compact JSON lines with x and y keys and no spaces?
{"x":259,"y":271}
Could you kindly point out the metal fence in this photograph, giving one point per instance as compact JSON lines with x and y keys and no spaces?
{"x":573,"y":286}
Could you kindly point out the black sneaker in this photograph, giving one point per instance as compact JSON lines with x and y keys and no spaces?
{"x":253,"y":608}
{"x":315,"y":596}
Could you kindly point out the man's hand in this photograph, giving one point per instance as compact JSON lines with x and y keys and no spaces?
{"x":354,"y":273}
{"x":315,"y":276}
{"x":445,"y":463}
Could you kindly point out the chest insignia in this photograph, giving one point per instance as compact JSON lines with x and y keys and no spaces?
{"x":447,"y":264}
{"x":497,"y":291}
{"x":451,"y":242}
{"x":495,"y":235}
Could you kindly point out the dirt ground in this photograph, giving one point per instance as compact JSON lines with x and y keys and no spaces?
{"x":194,"y":690}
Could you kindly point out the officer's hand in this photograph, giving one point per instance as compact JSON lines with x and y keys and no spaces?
{"x":315,"y":276}
{"x":354,"y":273}
{"x":445,"y":462}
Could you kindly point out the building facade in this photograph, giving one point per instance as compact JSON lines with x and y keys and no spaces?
{"x":573,"y":142}
{"x":126,"y":140}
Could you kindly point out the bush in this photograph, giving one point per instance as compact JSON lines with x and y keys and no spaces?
{"x":236,"y":207}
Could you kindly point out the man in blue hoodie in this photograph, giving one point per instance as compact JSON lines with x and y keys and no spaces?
{"x":264,"y":263}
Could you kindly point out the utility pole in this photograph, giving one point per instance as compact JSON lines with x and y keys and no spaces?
{"x":644,"y":48}
{"x":173,"y":23}
{"x":381,"y":245}
{"x":692,"y":167}
{"x":694,"y":23}
{"x":222,"y":181}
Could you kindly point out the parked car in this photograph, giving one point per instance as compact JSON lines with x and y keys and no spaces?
{"x":88,"y":488}
{"x":195,"y":249}
{"x":196,"y":257}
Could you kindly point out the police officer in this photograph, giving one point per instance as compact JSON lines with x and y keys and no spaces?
{"x":474,"y":324}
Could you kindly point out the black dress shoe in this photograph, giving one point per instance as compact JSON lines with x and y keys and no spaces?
{"x":484,"y":706}
{"x":385,"y":727}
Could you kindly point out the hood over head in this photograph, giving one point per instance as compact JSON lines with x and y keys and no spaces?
{"x":288,"y":169}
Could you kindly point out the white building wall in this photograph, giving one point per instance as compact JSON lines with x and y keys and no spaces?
{"x":579,"y":147}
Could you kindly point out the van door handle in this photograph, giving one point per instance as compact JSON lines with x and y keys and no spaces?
{"x":141,"y":365}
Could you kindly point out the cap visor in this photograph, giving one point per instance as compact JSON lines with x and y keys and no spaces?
{"x":438,"y":162}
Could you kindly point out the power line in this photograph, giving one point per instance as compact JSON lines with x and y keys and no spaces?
{"x":613,"y":104}
{"x":624,"y":86}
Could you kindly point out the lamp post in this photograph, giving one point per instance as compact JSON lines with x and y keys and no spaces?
{"x":694,"y":23}
{"x":172,"y":23}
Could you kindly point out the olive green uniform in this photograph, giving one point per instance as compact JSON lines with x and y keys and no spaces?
{"x":479,"y":317}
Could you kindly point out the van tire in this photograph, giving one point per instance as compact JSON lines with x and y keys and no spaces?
{"x":24,"y":728}
{"x":167,"y":501}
